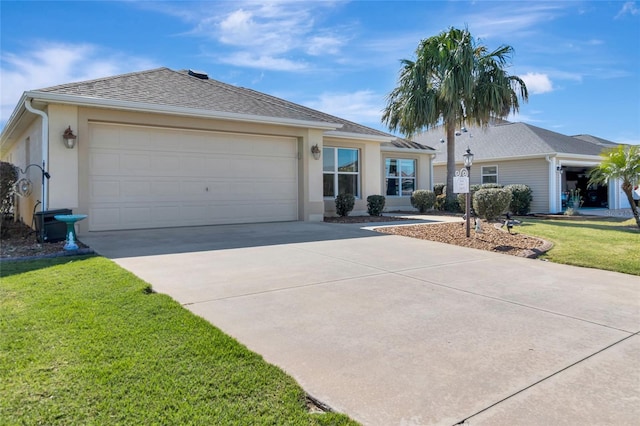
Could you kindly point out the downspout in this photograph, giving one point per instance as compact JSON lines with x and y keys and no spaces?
{"x":553,"y":185}
{"x":45,"y":150}
{"x":431,"y":158}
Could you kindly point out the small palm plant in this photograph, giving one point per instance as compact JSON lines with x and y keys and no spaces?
{"x":623,"y":163}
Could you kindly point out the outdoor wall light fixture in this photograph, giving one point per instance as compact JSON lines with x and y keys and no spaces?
{"x":315,"y":150}
{"x":69,"y":138}
{"x":560,"y":169}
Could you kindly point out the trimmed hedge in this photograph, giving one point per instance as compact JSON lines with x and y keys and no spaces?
{"x":344,"y":204}
{"x":375,"y":205}
{"x":490,"y":203}
{"x":423,"y":200}
{"x":521,"y":199}
{"x":462,"y":201}
{"x":440,"y":188}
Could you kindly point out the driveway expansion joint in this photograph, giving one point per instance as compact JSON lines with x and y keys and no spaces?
{"x":277,"y":290}
{"x":544,"y":379}
{"x":512,"y":302}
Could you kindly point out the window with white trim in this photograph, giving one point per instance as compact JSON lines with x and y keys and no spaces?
{"x":400,"y":175}
{"x":340,"y":171}
{"x":489,"y":174}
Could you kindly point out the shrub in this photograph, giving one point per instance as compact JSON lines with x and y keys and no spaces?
{"x":490,"y":203}
{"x":8,"y":178}
{"x":423,"y":199}
{"x":462,"y":199}
{"x":441,"y":201}
{"x":487,"y":186}
{"x":521,"y":198}
{"x":440,"y":188}
{"x":375,"y":205}
{"x":452,"y":205}
{"x":344,"y":204}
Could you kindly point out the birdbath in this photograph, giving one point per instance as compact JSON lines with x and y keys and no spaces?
{"x":70,"y":220}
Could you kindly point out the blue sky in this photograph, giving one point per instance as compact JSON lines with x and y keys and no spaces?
{"x":580,"y":59}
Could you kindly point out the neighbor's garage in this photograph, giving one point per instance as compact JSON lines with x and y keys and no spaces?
{"x":150,"y":177}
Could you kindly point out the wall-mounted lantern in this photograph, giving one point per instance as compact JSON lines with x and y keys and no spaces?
{"x":315,"y":150}
{"x":69,"y":138}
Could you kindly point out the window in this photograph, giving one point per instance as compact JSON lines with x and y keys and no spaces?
{"x":341,"y":171}
{"x":489,"y":174}
{"x":400,"y":176}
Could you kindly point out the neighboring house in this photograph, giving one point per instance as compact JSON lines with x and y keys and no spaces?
{"x":164,"y":148}
{"x":550,"y":163}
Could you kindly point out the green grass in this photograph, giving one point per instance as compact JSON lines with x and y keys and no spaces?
{"x":611,"y":244}
{"x":85,"y":342}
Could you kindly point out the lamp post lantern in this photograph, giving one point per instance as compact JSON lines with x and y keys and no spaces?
{"x":468,"y":161}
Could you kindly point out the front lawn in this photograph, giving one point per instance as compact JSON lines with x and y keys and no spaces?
{"x":608,"y":243}
{"x":85,"y":342}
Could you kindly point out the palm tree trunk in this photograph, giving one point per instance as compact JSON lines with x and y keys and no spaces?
{"x":634,"y":209}
{"x":451,"y":161}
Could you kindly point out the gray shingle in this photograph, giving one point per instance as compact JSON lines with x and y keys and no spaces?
{"x":513,"y":140}
{"x":166,"y":87}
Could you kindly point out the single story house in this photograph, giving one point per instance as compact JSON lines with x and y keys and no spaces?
{"x":165,"y":148}
{"x":550,"y":163}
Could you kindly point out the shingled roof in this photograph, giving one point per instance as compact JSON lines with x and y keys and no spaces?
{"x":513,"y":140}
{"x":164,"y":87}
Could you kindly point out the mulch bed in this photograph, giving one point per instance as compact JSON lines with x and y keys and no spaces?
{"x":18,"y":241}
{"x":492,"y":237}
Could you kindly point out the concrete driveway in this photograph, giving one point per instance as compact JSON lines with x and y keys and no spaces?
{"x":397,"y":331}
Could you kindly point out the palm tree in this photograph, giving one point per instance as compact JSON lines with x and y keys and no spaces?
{"x":622,"y":162}
{"x":452,"y":81}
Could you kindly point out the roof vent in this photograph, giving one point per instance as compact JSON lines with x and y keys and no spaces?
{"x":199,"y":74}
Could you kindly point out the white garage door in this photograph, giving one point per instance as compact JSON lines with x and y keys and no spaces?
{"x":148,"y":177}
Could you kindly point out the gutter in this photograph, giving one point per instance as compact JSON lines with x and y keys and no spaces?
{"x":184,"y":111}
{"x":45,"y":149}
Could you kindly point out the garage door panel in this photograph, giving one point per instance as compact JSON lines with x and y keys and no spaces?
{"x":104,"y":163}
{"x":105,"y":217}
{"x":165,"y":215}
{"x":105,"y":190}
{"x":149,"y":177}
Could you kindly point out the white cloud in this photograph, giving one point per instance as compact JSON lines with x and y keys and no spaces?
{"x":51,"y":64}
{"x":519,"y":19}
{"x":628,"y":8}
{"x":324,"y":45}
{"x":269,"y":35}
{"x":251,"y":60}
{"x":537,"y":83}
{"x":363,"y":106}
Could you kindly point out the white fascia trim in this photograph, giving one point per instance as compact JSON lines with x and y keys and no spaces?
{"x":359,"y":136}
{"x":408,"y":150}
{"x":13,"y":120}
{"x":173,"y":110}
{"x":531,"y":157}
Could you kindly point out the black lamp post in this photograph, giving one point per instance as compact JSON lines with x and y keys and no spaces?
{"x":468,"y":161}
